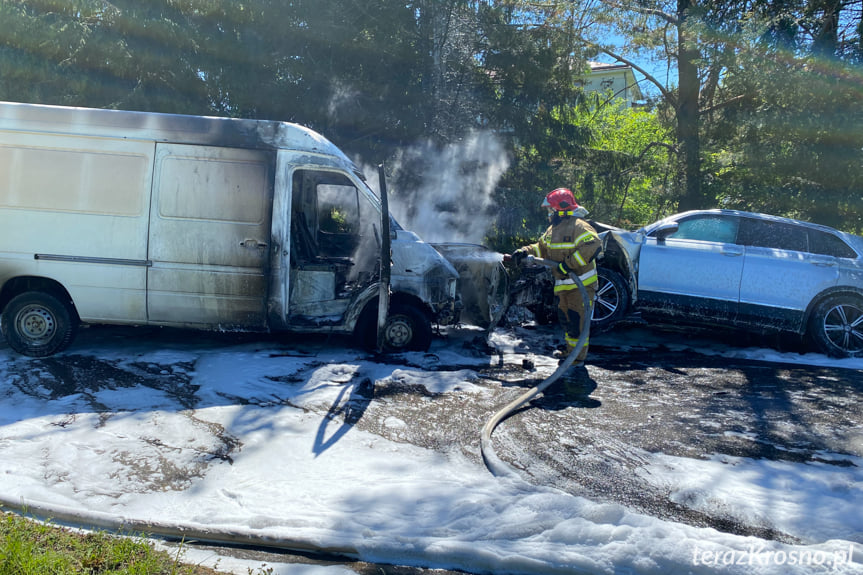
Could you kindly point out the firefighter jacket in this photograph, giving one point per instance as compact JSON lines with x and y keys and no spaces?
{"x":575,"y":244}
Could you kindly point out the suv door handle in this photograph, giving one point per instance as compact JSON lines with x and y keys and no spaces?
{"x":732,"y":252}
{"x":823,"y":263}
{"x":252,"y":244}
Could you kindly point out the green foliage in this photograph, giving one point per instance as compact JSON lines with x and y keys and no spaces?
{"x":791,"y":143}
{"x":797,"y":150}
{"x":121,"y":55}
{"x":32,"y":548}
{"x":527,"y":73}
{"x":778,"y":99}
{"x":629,"y":171}
{"x":621,"y":169}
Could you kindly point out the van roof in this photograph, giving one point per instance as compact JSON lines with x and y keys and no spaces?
{"x":172,"y":128}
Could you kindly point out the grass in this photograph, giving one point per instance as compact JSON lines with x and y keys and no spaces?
{"x":29,"y":547}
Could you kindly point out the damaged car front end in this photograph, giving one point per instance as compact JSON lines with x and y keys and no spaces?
{"x":418,"y":270}
{"x":616,"y":267}
{"x":483,"y":282}
{"x":488,"y":290}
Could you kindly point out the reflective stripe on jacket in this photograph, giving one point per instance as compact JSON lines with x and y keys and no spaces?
{"x":575,"y":243}
{"x":568,"y":283}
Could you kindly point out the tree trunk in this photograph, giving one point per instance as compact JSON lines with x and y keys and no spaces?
{"x":826,"y":39}
{"x":687,"y":115}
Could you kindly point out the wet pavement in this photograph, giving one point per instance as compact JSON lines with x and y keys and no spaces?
{"x":632,"y":403}
{"x":684,"y":405}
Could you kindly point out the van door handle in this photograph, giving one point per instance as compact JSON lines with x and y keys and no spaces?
{"x":252,"y":244}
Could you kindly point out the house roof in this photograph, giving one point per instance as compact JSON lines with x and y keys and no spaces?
{"x":602,"y":66}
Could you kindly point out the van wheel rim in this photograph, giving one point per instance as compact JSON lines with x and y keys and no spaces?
{"x":843,"y":326}
{"x":36,"y":324}
{"x":399,"y":333}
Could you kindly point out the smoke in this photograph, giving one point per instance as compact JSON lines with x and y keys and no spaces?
{"x":445,"y":193}
{"x":344,"y":102}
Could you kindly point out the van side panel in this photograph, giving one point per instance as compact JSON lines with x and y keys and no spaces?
{"x":74,"y":209}
{"x":209,"y":237}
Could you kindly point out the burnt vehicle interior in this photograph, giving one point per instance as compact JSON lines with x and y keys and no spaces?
{"x":334,"y":246}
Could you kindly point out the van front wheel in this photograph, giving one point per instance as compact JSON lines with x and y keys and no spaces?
{"x":38,"y":324}
{"x":407,"y":329}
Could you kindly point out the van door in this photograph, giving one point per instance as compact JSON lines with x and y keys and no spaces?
{"x":334,"y":246}
{"x":209,"y":235}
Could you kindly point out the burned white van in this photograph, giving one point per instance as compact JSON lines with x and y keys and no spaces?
{"x":120,"y":217}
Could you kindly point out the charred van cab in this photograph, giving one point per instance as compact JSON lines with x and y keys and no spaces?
{"x":120,"y":217}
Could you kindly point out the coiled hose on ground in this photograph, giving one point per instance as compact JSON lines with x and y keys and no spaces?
{"x":492,"y":461}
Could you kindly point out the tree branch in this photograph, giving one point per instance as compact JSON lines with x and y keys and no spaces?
{"x":671,"y":19}
{"x":721,"y":105}
{"x":671,"y":148}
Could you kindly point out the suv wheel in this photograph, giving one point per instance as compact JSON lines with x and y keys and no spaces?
{"x":612,"y":299}
{"x":836,"y":326}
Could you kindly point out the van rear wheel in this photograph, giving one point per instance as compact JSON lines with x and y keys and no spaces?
{"x":38,"y":324}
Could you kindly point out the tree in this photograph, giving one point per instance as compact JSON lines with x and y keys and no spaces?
{"x":741,"y":66}
{"x":795,"y":148}
{"x":138,"y":56}
{"x":765,"y":113}
{"x":675,"y":30}
{"x":527,"y":72}
{"x":630,"y":165}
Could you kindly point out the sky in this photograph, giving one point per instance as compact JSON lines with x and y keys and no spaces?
{"x":305,"y":476}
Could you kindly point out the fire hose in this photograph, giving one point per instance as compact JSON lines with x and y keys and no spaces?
{"x":492,"y":461}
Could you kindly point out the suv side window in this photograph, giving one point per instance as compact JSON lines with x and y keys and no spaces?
{"x":774,"y":235}
{"x":709,"y":228}
{"x":827,"y":244}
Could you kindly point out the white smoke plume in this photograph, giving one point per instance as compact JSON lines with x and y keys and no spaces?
{"x":444,"y":194}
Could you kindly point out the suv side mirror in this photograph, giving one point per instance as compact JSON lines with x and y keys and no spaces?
{"x":665,"y":230}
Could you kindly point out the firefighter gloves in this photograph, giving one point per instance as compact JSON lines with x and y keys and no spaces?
{"x":518,"y":257}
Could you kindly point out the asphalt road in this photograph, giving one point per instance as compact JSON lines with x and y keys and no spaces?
{"x":685,"y":405}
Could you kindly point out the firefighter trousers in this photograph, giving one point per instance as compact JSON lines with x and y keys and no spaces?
{"x":570,"y":314}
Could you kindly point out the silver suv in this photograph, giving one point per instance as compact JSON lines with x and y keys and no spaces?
{"x":744,"y":270}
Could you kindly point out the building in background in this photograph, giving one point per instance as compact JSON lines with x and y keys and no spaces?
{"x":618,"y":79}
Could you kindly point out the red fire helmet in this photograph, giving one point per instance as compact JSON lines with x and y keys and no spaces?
{"x":560,"y":200}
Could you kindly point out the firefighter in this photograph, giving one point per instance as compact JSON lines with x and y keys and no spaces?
{"x":574,"y":244}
